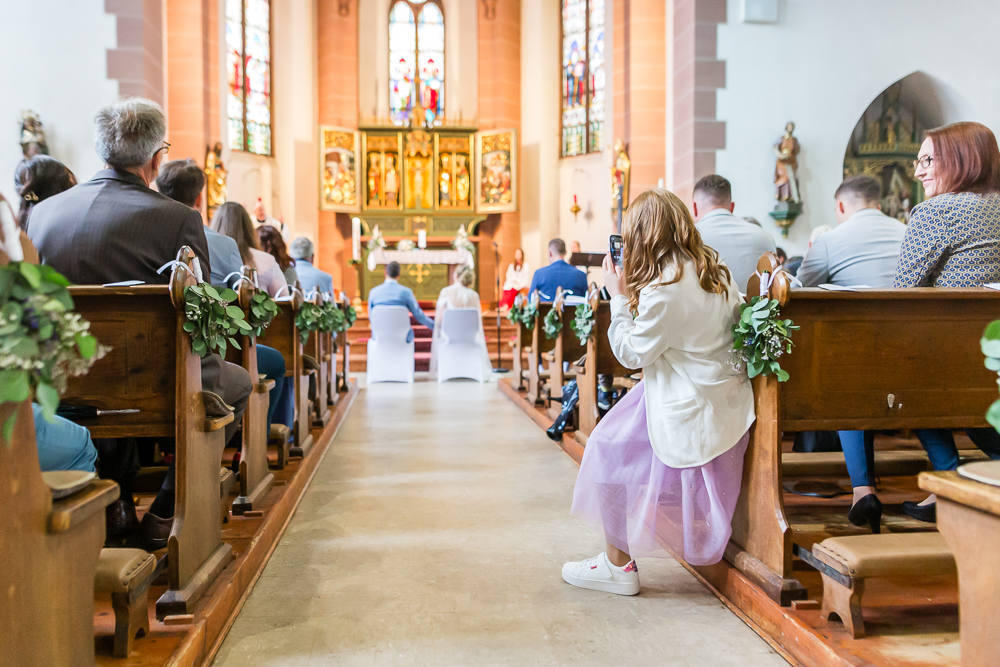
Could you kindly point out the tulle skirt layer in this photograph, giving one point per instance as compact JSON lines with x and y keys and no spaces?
{"x":645,"y":507}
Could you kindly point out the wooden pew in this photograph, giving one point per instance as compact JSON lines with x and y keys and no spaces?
{"x":151,"y":367}
{"x":318,"y":347}
{"x":49,"y":552}
{"x":520,"y":344}
{"x":600,"y":360}
{"x":872,"y":359}
{"x":255,"y":478}
{"x":343,"y":345}
{"x":566,"y":348}
{"x":540,"y":344}
{"x":283,"y":336}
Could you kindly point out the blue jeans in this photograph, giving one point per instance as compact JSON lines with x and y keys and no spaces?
{"x":271,"y":364}
{"x":63,"y":445}
{"x":941,"y":450}
{"x":859,"y":452}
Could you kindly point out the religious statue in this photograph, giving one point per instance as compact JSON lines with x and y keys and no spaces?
{"x":215,"y":178}
{"x":786,"y":168}
{"x":619,"y":183}
{"x":462,"y":182}
{"x":374,"y":183}
{"x":391,"y":181}
{"x":444,"y":181}
{"x":32,"y":134}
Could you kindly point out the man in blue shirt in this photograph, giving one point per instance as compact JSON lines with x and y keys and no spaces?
{"x":558,"y":274}
{"x":302,"y":251}
{"x":391,"y":293}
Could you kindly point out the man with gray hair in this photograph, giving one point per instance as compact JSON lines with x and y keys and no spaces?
{"x":115,"y":228}
{"x":303,"y":251}
{"x":863,"y":249}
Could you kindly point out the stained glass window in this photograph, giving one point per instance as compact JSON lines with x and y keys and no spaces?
{"x":583,"y":76}
{"x":416,"y":61}
{"x":248,"y":60}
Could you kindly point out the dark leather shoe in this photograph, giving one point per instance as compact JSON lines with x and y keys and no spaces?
{"x":867,"y":511}
{"x":120,"y":520}
{"x":154,"y":531}
{"x":926,"y":513}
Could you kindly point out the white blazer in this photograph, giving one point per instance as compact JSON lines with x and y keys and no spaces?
{"x":697,"y":406}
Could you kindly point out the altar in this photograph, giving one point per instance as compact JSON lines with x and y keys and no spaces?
{"x":425,"y":271}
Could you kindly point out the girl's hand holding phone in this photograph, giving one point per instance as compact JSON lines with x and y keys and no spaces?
{"x":612,"y":276}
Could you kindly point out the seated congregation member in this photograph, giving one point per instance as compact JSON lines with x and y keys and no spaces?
{"x":391,"y":293}
{"x":459,"y":294}
{"x":303,"y":251}
{"x":953,"y":240}
{"x":114,"y":228}
{"x":36,"y":179}
{"x":558,"y":274}
{"x":184,"y":182}
{"x":517,"y":279}
{"x":666,"y":463}
{"x":738,"y":242}
{"x":232,"y":220}
{"x":862,"y":250}
{"x":272,"y":243}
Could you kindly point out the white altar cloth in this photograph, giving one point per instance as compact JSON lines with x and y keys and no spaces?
{"x":417,"y":256}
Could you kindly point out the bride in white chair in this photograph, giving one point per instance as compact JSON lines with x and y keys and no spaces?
{"x":460,"y":295}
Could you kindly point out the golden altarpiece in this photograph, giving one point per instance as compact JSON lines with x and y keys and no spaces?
{"x":417,"y":186}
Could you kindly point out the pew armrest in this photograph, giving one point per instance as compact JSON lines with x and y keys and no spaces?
{"x":548,"y":356}
{"x":265,"y":386}
{"x":326,"y":358}
{"x":73,"y":510}
{"x":216,"y":423}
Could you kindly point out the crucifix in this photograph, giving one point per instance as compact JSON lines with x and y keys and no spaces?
{"x":418,"y":271}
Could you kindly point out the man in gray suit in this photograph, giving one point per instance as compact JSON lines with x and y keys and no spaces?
{"x":114,"y":228}
{"x":738,"y":242}
{"x":863,"y":249}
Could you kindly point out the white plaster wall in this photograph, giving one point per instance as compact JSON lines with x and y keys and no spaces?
{"x":461,"y":55}
{"x":36,"y":73}
{"x":821,"y":65}
{"x":287,"y":182}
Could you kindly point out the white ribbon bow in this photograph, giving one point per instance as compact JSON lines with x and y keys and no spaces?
{"x":196,"y":273}
{"x":767,"y":279}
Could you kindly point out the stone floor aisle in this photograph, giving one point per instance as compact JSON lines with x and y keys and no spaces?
{"x":433,"y":534}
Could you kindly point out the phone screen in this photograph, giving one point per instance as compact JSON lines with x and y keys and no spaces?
{"x":616,"y":243}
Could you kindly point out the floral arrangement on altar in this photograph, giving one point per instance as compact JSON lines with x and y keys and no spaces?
{"x":42,"y":341}
{"x":462,"y":241}
{"x":405,"y":245}
{"x":376,"y":240}
{"x":760,"y":337}
{"x":990,"y":345}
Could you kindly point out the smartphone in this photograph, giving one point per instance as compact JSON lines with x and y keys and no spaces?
{"x":616,"y":243}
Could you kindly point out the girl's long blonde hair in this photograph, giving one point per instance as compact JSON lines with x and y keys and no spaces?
{"x":658,"y":232}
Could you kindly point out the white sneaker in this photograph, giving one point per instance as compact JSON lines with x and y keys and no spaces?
{"x":600,"y":574}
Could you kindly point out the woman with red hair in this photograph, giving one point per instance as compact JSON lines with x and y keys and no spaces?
{"x":953,"y":240}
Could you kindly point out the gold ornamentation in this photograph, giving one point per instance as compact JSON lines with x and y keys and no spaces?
{"x":620,"y":172}
{"x":215,"y":178}
{"x":339,"y":189}
{"x":497,"y":167}
{"x":419,"y":272}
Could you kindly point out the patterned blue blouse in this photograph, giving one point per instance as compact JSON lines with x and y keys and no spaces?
{"x":953,"y":240}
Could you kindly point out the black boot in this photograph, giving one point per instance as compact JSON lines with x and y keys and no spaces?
{"x":571,"y":396}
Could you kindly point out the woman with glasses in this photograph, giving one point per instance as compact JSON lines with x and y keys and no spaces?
{"x":953,"y":240}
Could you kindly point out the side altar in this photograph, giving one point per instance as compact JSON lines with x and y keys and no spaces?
{"x":418,"y":187}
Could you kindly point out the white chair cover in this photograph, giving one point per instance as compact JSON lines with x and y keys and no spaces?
{"x":462,"y":345}
{"x":391,"y":348}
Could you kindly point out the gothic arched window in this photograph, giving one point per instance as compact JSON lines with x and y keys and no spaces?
{"x":248,"y":61}
{"x":416,"y":60}
{"x":583,"y":76}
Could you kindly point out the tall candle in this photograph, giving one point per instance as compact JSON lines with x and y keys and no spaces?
{"x":356,"y":238}
{"x":421,"y":238}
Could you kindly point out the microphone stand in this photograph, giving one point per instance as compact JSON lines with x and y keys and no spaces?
{"x":496,"y":255}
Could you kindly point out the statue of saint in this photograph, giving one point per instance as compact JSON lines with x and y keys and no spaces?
{"x":786,"y":168}
{"x":391,"y":181}
{"x":374,"y":181}
{"x":32,"y":135}
{"x":462,"y":181}
{"x":215,"y":178}
{"x":444,"y":181}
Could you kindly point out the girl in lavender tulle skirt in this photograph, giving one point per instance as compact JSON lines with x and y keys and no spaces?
{"x":661,"y":472}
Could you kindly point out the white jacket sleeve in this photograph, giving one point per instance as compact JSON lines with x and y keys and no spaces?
{"x":638,"y":342}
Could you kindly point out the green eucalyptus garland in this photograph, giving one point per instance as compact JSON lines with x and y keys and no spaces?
{"x":990,"y":345}
{"x":332,"y":318}
{"x":552,"y":324}
{"x":760,"y":337}
{"x":308,"y":319}
{"x":262,"y":311}
{"x":523,"y":313}
{"x":212,"y":319}
{"x":584,"y":322}
{"x":42,"y":341}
